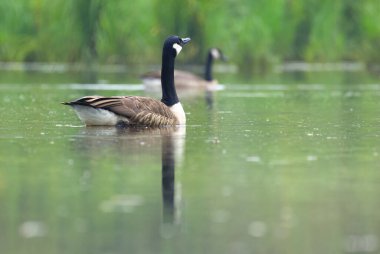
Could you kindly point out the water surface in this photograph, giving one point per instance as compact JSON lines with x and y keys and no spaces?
{"x":281,"y":164}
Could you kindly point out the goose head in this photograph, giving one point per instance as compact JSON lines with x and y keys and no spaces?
{"x":217,"y":54}
{"x":174,"y":44}
{"x":213,"y":54}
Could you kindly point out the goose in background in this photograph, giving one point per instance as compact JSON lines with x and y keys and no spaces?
{"x":138,"y":110}
{"x":187,"y":80}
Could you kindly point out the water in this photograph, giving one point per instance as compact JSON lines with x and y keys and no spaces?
{"x":283,"y":164}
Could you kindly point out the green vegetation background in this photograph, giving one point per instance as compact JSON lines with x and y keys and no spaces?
{"x":252,"y":33}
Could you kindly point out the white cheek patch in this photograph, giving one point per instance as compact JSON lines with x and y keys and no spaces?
{"x":177,"y":48}
{"x":215,"y":53}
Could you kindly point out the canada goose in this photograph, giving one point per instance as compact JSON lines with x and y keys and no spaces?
{"x":137,"y":110}
{"x":184,"y":79}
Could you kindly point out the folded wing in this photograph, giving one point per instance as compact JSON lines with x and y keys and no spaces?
{"x":136,"y":109}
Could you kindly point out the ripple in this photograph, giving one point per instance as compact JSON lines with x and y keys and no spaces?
{"x":106,"y":87}
{"x":121,"y":203}
{"x":254,"y":95}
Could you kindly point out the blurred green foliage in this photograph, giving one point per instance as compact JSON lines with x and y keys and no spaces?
{"x":252,"y":33}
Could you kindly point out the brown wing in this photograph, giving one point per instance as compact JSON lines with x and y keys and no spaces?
{"x":178,"y":74}
{"x":145,"y":111}
{"x":152,"y":75}
{"x":138,"y":110}
{"x":182,"y":79}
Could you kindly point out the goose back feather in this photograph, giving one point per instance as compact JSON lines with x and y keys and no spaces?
{"x":129,"y":110}
{"x":185,"y":79}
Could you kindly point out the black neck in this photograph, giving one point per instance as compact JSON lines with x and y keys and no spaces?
{"x":169,"y":94}
{"x":208,"y":72}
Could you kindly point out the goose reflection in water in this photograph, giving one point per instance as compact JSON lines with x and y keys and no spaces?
{"x":136,"y":143}
{"x":168,"y":180}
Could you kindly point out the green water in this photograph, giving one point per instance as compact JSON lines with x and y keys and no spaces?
{"x":281,"y":164}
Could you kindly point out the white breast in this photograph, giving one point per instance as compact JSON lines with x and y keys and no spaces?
{"x":178,"y":111}
{"x":94,"y":116}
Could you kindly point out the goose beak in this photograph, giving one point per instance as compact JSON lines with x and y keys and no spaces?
{"x":185,"y":41}
{"x":224,"y":58}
